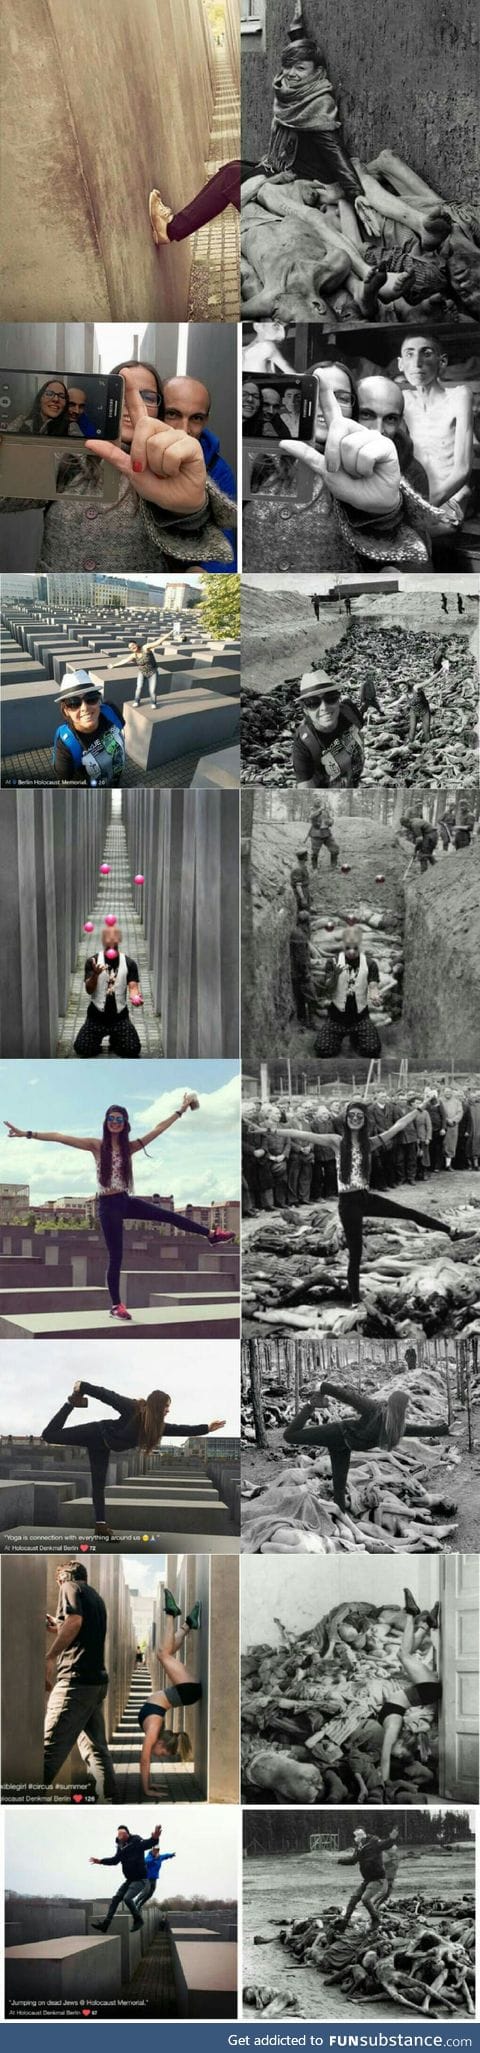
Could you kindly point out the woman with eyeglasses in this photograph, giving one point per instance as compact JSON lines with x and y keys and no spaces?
{"x":88,"y":746}
{"x":49,"y":414}
{"x":113,"y":1163}
{"x":169,"y":514}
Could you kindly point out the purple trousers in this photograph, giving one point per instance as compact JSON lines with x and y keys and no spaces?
{"x":223,"y":190}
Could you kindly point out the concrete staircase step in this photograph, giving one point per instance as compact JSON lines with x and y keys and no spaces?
{"x":162,"y":1322}
{"x":134,"y":1515}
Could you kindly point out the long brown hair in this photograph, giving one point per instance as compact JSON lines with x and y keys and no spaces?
{"x":178,"y":1746}
{"x":394,"y":1418}
{"x":124,"y":1146}
{"x":363,"y":1140}
{"x":151,"y":1411}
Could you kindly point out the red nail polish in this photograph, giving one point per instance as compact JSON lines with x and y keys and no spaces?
{"x":137,"y":465}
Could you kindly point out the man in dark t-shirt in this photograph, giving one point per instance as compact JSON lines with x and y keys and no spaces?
{"x":77,"y":1681}
{"x":370,"y":1851}
{"x":111,"y":978}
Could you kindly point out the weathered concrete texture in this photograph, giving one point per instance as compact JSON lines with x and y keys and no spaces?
{"x":113,"y":100}
{"x":442,"y":929}
{"x":223,"y":1724}
{"x":205,"y":1977}
{"x":45,"y":895}
{"x":23,"y":1655}
{"x":63,"y":1969}
{"x":188,"y":851}
{"x":406,"y":78}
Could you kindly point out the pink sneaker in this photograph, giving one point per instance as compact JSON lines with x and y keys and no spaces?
{"x":119,"y":1312}
{"x":217,"y":1233}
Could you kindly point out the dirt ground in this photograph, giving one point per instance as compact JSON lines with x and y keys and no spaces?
{"x":305,"y":1884}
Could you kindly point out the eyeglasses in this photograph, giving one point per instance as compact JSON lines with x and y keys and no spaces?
{"x":59,"y":396}
{"x":83,"y":698}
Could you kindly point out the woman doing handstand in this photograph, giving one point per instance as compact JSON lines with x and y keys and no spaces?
{"x":141,"y":1423}
{"x":113,"y":1162}
{"x":424,"y":1685}
{"x":157,"y":1742}
{"x":380,"y":1422}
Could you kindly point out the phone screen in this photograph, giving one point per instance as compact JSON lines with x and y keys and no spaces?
{"x":271,"y":408}
{"x":60,"y":405}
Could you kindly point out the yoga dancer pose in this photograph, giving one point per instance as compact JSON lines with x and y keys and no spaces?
{"x":381,"y":1423}
{"x":132,"y":1856}
{"x":424,"y":1683}
{"x":113,"y":1162}
{"x":141,"y":1423}
{"x":354,"y":1149}
{"x":157,"y":1742}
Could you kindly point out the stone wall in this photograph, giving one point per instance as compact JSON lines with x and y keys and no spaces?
{"x":187,"y":849}
{"x":51,"y":844}
{"x":405,"y":78}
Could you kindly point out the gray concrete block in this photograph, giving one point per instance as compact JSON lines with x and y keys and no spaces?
{"x":63,"y":1969}
{"x":218,"y":772}
{"x":205,"y":1977}
{"x":130,"y":1942}
{"x":189,"y":721}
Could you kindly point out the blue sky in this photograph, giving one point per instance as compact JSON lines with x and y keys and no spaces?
{"x":44,"y":1858}
{"x":198,"y":1160}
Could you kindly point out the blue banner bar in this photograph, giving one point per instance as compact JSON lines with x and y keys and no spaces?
{"x":411,"y":2036}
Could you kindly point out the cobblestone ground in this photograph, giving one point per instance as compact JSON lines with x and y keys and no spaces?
{"x":214,"y":284}
{"x":115,"y":894}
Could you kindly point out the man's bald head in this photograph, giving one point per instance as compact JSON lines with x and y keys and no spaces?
{"x":380,"y":405}
{"x":186,"y":405}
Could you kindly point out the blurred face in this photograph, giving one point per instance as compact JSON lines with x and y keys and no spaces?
{"x":122,"y":1836}
{"x":337,"y":381}
{"x":84,"y":712}
{"x":325,"y":714}
{"x":420,"y":360}
{"x":272,"y":400}
{"x":52,"y":400}
{"x":186,"y":406}
{"x":115,"y":1122}
{"x":142,"y":381}
{"x":77,"y":401}
{"x":355,"y":1118}
{"x":270,"y":331}
{"x":250,"y":399}
{"x":112,"y":937}
{"x":380,"y":405}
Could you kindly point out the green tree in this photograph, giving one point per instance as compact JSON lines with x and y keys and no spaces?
{"x":220,"y":607}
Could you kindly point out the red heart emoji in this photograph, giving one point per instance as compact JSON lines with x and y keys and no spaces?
{"x":84,"y":1548}
{"x":77,"y":1799}
{"x":86,"y":2013}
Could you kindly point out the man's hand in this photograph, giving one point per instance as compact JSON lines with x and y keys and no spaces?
{"x":163,"y":465}
{"x":94,"y":1863}
{"x":51,"y":1623}
{"x":360,"y":467}
{"x":215,"y":1424}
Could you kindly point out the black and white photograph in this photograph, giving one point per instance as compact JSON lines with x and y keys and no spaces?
{"x":323,"y":1163}
{"x":383,"y":1915}
{"x":354,"y":1696}
{"x":360,"y":930}
{"x":360,"y":176}
{"x":371,"y":681}
{"x":371,"y":459}
{"x":348,"y":1447}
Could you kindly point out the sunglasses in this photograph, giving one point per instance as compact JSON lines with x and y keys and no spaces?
{"x":83,"y":698}
{"x":115,"y":1118}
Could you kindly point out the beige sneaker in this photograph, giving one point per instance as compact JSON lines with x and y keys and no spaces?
{"x":160,"y":215}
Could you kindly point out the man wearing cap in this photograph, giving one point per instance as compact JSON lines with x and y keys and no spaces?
{"x":327,"y":746}
{"x":300,"y":881}
{"x":88,"y":747}
{"x":110,"y":979}
{"x":320,"y":836}
{"x":300,"y":967}
{"x":353,"y":979}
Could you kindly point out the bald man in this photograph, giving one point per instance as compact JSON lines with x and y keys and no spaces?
{"x":186,"y":405}
{"x":381,"y":406}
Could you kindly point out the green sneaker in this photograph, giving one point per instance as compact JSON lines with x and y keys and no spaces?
{"x":171,"y":1607}
{"x":194,"y":1618}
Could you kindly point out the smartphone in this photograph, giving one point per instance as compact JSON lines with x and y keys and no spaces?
{"x":308,"y":409}
{"x":64,"y":407}
{"x":271,"y":407}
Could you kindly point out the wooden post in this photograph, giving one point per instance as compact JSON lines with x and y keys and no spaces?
{"x":256,"y":1390}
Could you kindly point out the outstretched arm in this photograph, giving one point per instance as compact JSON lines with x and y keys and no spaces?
{"x":64,"y":1140}
{"x":190,"y":1432}
{"x":163,"y":1125}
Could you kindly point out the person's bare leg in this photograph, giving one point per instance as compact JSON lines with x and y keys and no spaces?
{"x":391,"y":1732}
{"x":168,"y":1652}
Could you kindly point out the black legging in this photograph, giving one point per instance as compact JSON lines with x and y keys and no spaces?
{"x":354,"y":1206}
{"x":113,"y":1210}
{"x":92,"y":1438}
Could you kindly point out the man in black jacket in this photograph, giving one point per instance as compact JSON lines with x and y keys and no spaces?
{"x":130,"y":1856}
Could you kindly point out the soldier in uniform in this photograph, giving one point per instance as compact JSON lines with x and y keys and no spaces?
{"x":320,"y":836}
